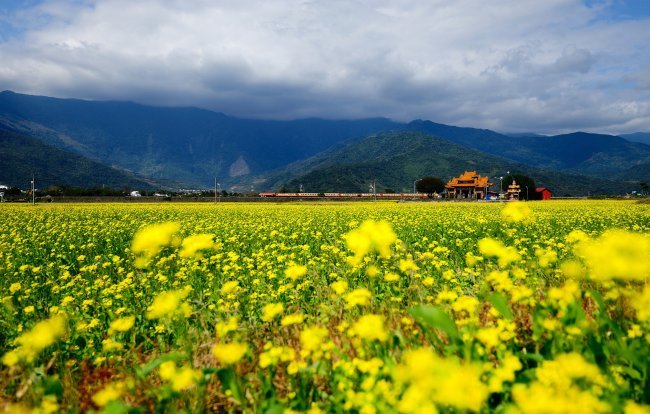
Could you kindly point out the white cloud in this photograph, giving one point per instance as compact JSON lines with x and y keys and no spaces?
{"x":547,"y":66}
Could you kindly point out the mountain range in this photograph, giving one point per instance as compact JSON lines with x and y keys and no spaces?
{"x":143,"y":146}
{"x":22,"y":157}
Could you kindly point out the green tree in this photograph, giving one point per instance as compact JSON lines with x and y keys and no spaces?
{"x":430,"y":185}
{"x":523,"y":181}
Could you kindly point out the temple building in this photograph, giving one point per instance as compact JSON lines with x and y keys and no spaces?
{"x":468,"y":185}
{"x":513,"y":191}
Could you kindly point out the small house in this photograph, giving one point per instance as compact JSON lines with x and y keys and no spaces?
{"x":542,"y":193}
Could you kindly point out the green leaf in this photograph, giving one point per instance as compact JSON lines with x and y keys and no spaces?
{"x":145,"y":370}
{"x":632,"y":373}
{"x":275,"y":409}
{"x":116,"y":407}
{"x":228,"y":380}
{"x":434,"y":317}
{"x":53,"y":386}
{"x":500,"y":303}
{"x":597,"y":349}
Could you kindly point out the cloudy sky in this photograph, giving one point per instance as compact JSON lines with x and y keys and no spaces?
{"x":511,"y":65}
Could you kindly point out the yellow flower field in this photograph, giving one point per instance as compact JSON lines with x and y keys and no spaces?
{"x":540,"y":307}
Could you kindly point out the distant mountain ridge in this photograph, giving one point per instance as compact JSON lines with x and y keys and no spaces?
{"x":642,"y":137}
{"x":578,"y":152}
{"x":22,"y":156}
{"x":195,"y":146}
{"x":184,"y":144}
{"x":394,"y":160}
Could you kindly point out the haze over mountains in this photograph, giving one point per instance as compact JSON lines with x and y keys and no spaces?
{"x":189,"y":147}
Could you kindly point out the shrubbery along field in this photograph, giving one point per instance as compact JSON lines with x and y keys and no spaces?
{"x":352,"y":307}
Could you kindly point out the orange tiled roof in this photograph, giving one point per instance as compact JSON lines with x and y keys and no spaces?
{"x":469,"y":179}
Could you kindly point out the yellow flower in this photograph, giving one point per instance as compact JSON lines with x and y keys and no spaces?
{"x":641,"y":303}
{"x":500,"y":281}
{"x":371,"y":236}
{"x":31,"y":343}
{"x":276,"y":354}
{"x":572,"y":269}
{"x":489,"y":337}
{"x":633,"y":408}
{"x":431,"y":380}
{"x":192,"y":245}
{"x":295,"y":272}
{"x":391,"y":277}
{"x":66,"y":301}
{"x":179,"y":378}
{"x":370,"y":327}
{"x":339,"y":287}
{"x":466,"y":304}
{"x":358,"y":297}
{"x":635,"y":331}
{"x":11,"y":358}
{"x":311,"y":338}
{"x":616,"y":254}
{"x":14,"y":287}
{"x":185,"y":378}
{"x":121,"y":324}
{"x":224,"y":328}
{"x":49,"y":405}
{"x":167,"y":304}
{"x":230,"y":287}
{"x":576,"y":236}
{"x":271,"y":310}
{"x":565,"y":295}
{"x":408,"y":266}
{"x":546,"y":257}
{"x":166,"y":370}
{"x":516,"y":211}
{"x":110,"y":392}
{"x":566,"y":384}
{"x":505,"y":372}
{"x":492,"y":247}
{"x":229,"y":353}
{"x":150,"y":240}
{"x":293,"y":319}
{"x":372,"y":271}
{"x":110,"y":345}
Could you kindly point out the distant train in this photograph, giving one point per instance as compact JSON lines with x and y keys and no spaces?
{"x":345,"y":195}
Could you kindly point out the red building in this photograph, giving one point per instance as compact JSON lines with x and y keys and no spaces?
{"x":542,"y":193}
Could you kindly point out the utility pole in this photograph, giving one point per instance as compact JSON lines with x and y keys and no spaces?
{"x":414,"y":182}
{"x":215,"y":189}
{"x":33,"y":190}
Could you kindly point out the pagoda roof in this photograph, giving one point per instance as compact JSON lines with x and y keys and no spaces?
{"x":469,"y":179}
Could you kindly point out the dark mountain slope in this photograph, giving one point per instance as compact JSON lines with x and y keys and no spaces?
{"x":183,"y":144}
{"x":395,"y":159}
{"x":584,"y":153}
{"x":642,"y":137}
{"x":22,"y":156}
{"x":194,"y":146}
